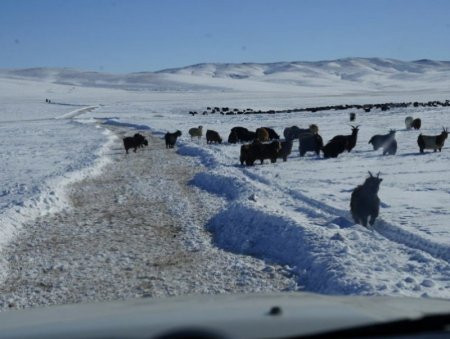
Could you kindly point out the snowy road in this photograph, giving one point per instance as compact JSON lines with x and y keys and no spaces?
{"x":127,"y":234}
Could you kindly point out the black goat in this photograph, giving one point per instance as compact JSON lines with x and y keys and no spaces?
{"x":213,"y":137}
{"x":416,"y":123}
{"x":365,"y":202}
{"x":350,"y":140}
{"x":382,"y":140}
{"x":334,"y":148}
{"x":258,"y":150}
{"x":135,"y":141}
{"x":434,"y":142}
{"x":241,"y":134}
{"x":233,"y":137}
{"x":171,"y":138}
{"x":140,"y":139}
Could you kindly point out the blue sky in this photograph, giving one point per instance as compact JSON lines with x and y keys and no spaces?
{"x":132,"y":35}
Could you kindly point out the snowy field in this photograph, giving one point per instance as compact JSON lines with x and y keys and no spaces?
{"x":294,"y":213}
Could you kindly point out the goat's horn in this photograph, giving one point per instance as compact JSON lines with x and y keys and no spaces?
{"x":378,"y":174}
{"x":370,"y":174}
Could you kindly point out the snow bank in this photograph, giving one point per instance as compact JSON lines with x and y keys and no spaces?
{"x":49,"y":195}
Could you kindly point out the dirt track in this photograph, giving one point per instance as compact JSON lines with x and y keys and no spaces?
{"x":137,"y":230}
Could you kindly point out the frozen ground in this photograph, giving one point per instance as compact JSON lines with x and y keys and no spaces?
{"x":292,"y":217}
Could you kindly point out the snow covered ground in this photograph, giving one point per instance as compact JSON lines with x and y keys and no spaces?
{"x":295,"y":213}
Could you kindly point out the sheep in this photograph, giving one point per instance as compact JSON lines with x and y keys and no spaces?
{"x":408,"y":122}
{"x":134,"y":142}
{"x":286,"y":149}
{"x":171,"y":138}
{"x":295,"y":132}
{"x":334,"y":147}
{"x":272,"y":134}
{"x":379,"y":140}
{"x":213,"y":136}
{"x":258,"y":150}
{"x":416,"y":123}
{"x":196,"y":132}
{"x":434,"y":142}
{"x":349,"y":139}
{"x":310,"y":143}
{"x":262,"y":134}
{"x":365,"y":202}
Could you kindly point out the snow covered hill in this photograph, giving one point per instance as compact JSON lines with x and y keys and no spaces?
{"x":342,"y":75}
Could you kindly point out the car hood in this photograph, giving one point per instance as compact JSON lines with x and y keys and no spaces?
{"x":274,"y":315}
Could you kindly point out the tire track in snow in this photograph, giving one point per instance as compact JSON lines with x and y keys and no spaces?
{"x":77,"y":112}
{"x":389,"y":230}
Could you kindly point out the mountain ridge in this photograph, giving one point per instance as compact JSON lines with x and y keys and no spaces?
{"x":353,"y":73}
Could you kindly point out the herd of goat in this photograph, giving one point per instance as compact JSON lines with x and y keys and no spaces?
{"x":265,"y":143}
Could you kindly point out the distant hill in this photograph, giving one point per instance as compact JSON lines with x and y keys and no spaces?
{"x":340,"y":67}
{"x":352,"y":73}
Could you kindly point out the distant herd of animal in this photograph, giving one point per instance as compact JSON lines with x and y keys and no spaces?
{"x":264,"y":143}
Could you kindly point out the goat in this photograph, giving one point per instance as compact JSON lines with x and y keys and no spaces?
{"x":258,"y":150}
{"x":246,"y":156}
{"x":247,"y":136}
{"x":213,"y":136}
{"x":390,"y":147}
{"x":135,"y":141}
{"x":310,"y":143}
{"x":434,"y":142}
{"x":365,"y":202}
{"x":408,"y":122}
{"x":352,"y":116}
{"x":196,"y":132}
{"x":140,"y":140}
{"x":350,"y":140}
{"x":171,"y":138}
{"x":233,"y":137}
{"x":379,"y":140}
{"x":241,"y":134}
{"x":334,"y":148}
{"x":416,"y":123}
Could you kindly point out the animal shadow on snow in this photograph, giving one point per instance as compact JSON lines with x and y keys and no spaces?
{"x":413,"y":154}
